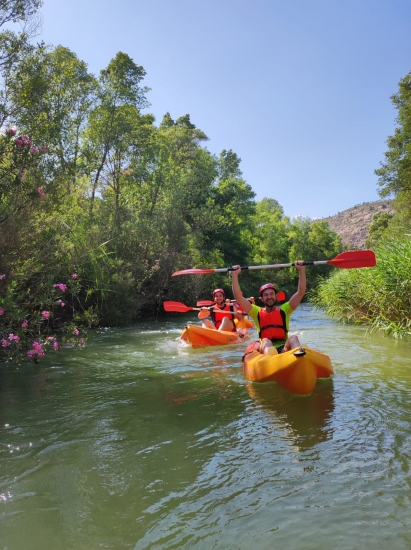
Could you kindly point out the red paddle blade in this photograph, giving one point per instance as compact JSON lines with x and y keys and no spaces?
{"x":176,"y":306}
{"x":193,"y":272}
{"x":205,"y":303}
{"x":353,"y":259}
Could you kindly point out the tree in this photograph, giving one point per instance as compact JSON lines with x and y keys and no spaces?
{"x":54,"y":92}
{"x":377,"y":228}
{"x":119,"y":89}
{"x":395,"y":173}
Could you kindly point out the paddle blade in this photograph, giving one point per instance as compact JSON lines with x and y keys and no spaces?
{"x":176,"y":306}
{"x":281,"y":296}
{"x":205,"y":303}
{"x":193,"y":272}
{"x":353,"y":259}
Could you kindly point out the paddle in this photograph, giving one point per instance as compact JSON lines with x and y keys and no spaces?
{"x":182,"y":308}
{"x":280,"y":298}
{"x":346,"y":260}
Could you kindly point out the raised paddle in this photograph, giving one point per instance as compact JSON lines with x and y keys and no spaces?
{"x":182,"y":308}
{"x":346,"y":260}
{"x":203,"y":303}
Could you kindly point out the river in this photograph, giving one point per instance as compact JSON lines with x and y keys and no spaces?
{"x":139,"y":442}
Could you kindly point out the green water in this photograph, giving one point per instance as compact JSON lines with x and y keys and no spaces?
{"x":137,"y":442}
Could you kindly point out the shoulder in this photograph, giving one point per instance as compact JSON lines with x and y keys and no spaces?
{"x":286,"y":307}
{"x":254,"y":311}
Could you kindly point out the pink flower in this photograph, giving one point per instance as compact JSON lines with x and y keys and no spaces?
{"x":37,"y":346}
{"x":45,"y":314}
{"x":36,"y":352}
{"x":1,"y":311}
{"x":143,"y":293}
{"x":61,"y":303}
{"x":74,"y":276}
{"x":42,"y":194}
{"x":34,"y":150}
{"x":81,"y":341}
{"x":25,"y":137}
{"x":11,"y":131}
{"x":56,"y":346}
{"x":5,"y":343}
{"x":14,"y":337}
{"x":19,"y":143}
{"x":24,"y":323}
{"x":3,"y":276}
{"x":76,"y":332}
{"x":43,"y":149}
{"x":50,"y":338}
{"x":61,"y":286}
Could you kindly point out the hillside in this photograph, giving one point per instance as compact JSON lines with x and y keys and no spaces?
{"x":351,"y":225}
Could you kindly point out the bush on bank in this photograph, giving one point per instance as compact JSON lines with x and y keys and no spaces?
{"x":379,"y":297}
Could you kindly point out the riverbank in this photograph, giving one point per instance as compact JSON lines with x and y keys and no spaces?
{"x":378,"y":297}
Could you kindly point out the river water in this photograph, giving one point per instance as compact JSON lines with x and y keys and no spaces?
{"x":137,"y":441}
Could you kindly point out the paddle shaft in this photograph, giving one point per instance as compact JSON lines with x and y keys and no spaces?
{"x":244,"y":267}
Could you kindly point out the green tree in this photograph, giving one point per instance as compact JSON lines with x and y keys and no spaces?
{"x":109,"y":123}
{"x":394,"y":176}
{"x":377,"y":228}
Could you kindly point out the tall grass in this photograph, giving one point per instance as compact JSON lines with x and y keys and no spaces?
{"x":379,"y":297}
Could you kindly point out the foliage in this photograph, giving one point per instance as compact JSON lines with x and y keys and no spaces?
{"x":395,"y":173}
{"x":378,"y":296}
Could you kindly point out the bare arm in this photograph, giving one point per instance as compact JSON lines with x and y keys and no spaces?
{"x":243,"y":302}
{"x":296,"y":298}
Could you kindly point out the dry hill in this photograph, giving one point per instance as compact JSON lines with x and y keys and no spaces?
{"x":351,"y":225}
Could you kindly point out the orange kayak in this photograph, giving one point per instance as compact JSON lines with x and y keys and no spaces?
{"x":246,"y":322}
{"x":199,"y":336}
{"x":294,"y":372}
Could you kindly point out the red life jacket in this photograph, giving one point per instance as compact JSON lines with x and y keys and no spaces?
{"x":217,"y":317}
{"x":272,"y":325}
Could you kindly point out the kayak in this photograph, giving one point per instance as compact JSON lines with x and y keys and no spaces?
{"x":294,"y":371}
{"x":199,"y":336}
{"x":244,"y":323}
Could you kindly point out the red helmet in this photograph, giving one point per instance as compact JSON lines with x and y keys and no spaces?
{"x":267,"y":285}
{"x":218,"y":290}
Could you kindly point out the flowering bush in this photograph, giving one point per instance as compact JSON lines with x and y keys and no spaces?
{"x":26,"y":321}
{"x":18,"y":158}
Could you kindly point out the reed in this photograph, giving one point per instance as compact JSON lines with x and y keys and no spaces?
{"x":378,"y":297}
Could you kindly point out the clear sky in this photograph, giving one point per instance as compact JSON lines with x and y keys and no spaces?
{"x":299,"y":89}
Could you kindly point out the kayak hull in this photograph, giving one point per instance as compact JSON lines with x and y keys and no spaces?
{"x":296,"y":374}
{"x":199,"y":337}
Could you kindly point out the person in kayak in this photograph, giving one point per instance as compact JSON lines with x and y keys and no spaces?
{"x":219,"y":321}
{"x":272,"y":322}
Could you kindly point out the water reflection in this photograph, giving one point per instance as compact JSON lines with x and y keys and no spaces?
{"x":307,"y":417}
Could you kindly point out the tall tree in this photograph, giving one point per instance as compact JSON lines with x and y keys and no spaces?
{"x":395,"y":173}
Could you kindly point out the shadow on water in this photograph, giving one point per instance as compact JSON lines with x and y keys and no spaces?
{"x":308,"y":417}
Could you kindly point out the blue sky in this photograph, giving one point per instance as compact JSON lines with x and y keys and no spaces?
{"x":300,"y":90}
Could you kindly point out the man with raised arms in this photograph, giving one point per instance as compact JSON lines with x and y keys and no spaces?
{"x":272,"y":322}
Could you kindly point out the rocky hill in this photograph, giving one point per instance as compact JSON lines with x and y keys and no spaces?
{"x":351,"y":225}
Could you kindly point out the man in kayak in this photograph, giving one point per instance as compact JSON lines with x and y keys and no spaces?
{"x":272,"y":322}
{"x":219,"y":321}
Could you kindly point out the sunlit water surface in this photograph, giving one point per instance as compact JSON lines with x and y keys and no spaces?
{"x":137,"y":441}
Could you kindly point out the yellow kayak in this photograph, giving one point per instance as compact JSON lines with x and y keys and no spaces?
{"x":294,"y":371}
{"x":199,"y":336}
